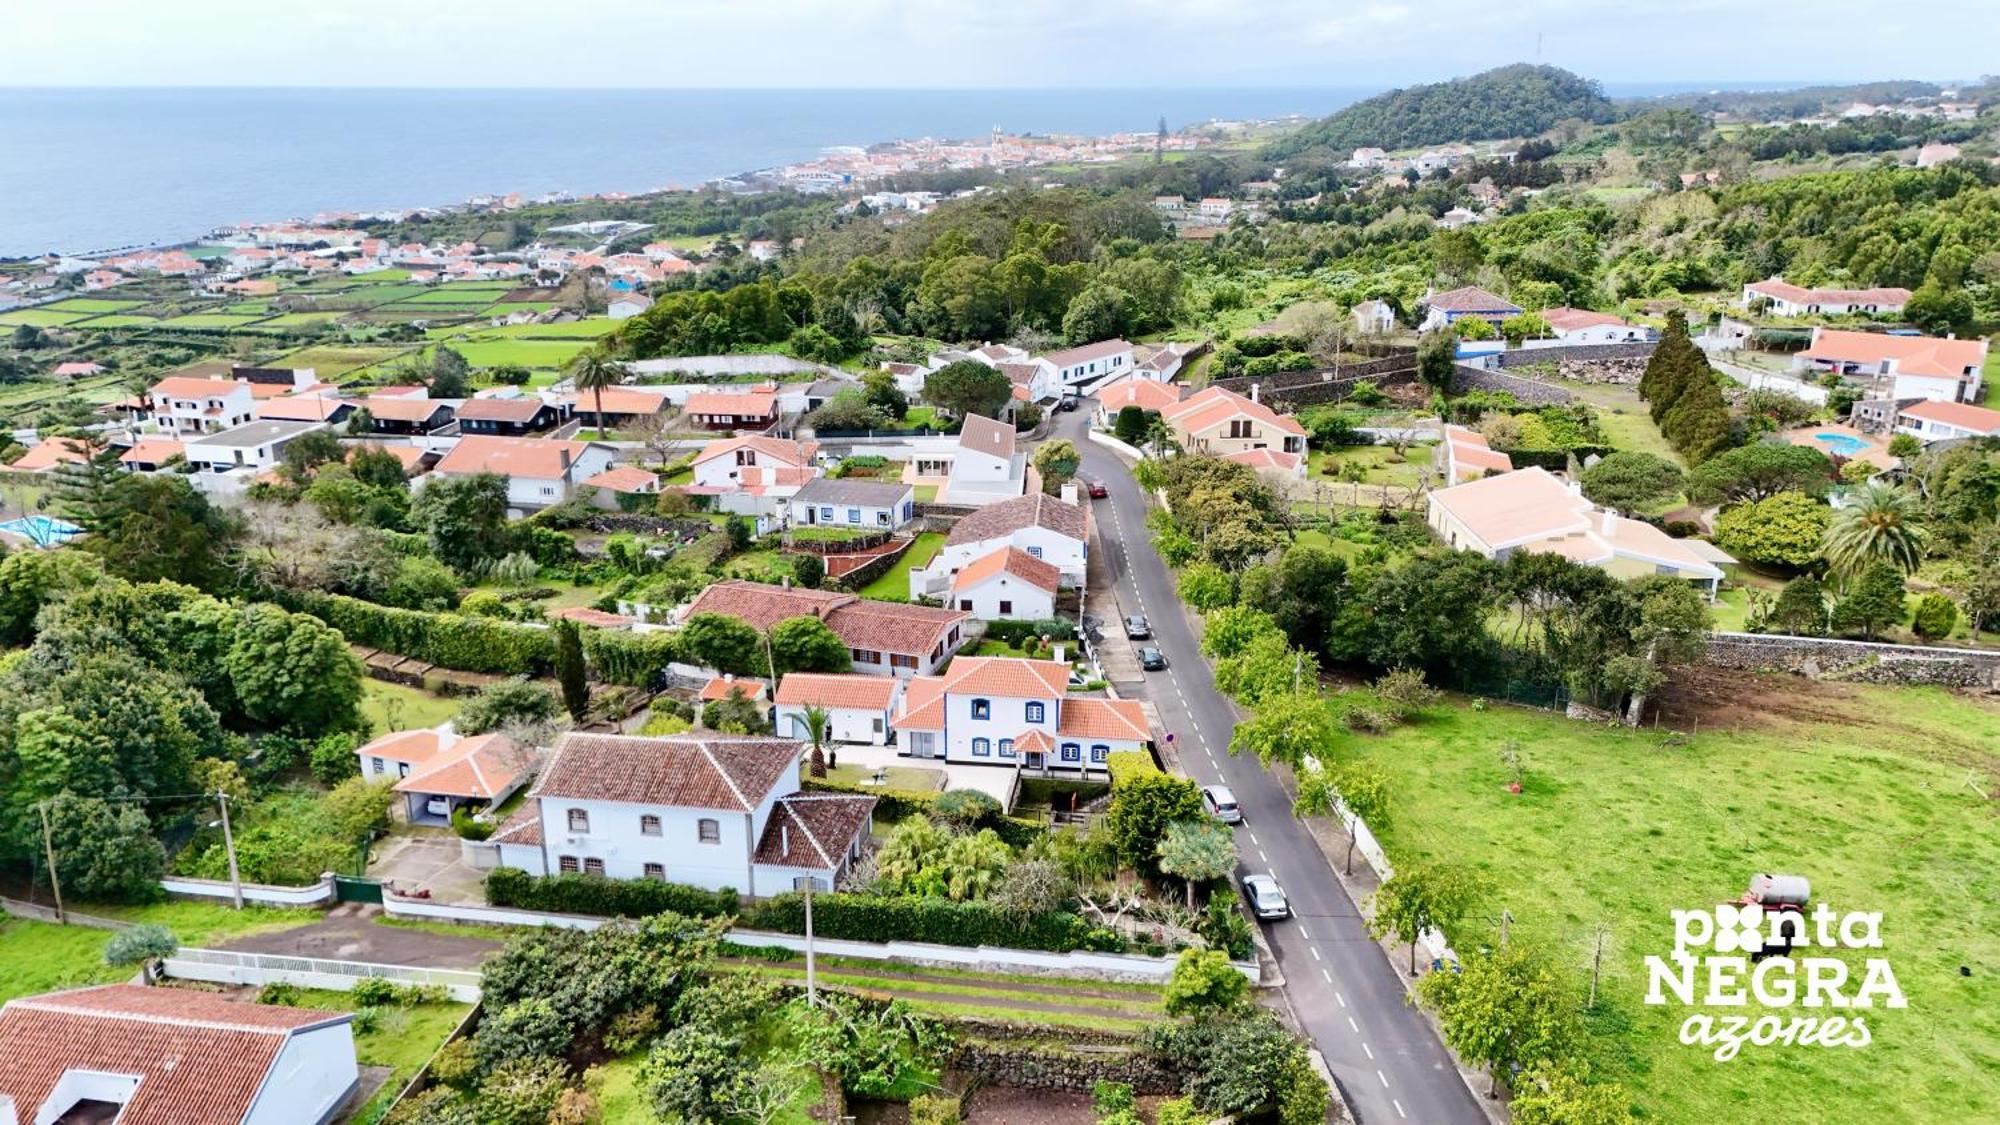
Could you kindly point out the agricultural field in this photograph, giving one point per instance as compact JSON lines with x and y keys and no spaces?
{"x":39,"y":318}
{"x":117,"y":320}
{"x":208,"y":320}
{"x":527,"y":353}
{"x":330,"y":360}
{"x":93,"y":305}
{"x":1876,"y":794}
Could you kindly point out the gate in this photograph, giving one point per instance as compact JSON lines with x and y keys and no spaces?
{"x":349,"y":888}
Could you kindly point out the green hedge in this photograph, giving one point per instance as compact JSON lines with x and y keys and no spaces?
{"x":632,"y":659}
{"x":449,"y":640}
{"x":1014,"y":632}
{"x":938,"y":920}
{"x":595,"y":894}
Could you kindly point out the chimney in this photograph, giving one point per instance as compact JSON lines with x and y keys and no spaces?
{"x":1069,"y":493}
{"x":1608,"y":525}
{"x":785,"y":840}
{"x":785,"y":581}
{"x":1254,"y":397}
{"x":1056,"y":654}
{"x":563,"y":452}
{"x":1576,"y":488}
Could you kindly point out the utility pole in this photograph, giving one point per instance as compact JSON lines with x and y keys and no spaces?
{"x":49,"y":849}
{"x":812,"y":974}
{"x":229,"y":845}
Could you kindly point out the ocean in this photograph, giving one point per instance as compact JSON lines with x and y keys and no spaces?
{"x":98,"y":169}
{"x":95,"y":169}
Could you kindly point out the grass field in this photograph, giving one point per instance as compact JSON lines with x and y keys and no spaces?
{"x":1378,"y":461}
{"x":208,"y":320}
{"x":117,"y":320}
{"x":330,"y":360}
{"x":894,"y":583}
{"x":527,"y":353}
{"x":588,"y":329}
{"x":39,"y":318}
{"x":41,"y":956}
{"x":93,"y":305}
{"x":466,"y":294}
{"x":390,"y":707}
{"x":1867,"y":791}
{"x":403,"y":1039}
{"x":299,"y":319}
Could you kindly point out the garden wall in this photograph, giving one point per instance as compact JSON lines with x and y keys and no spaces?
{"x":1858,"y":661}
{"x":1029,"y":1066}
{"x":319,"y":894}
{"x":226,"y":966}
{"x":1530,"y":391}
{"x":1533,"y":352}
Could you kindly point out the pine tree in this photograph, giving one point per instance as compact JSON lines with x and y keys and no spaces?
{"x":1672,"y":368}
{"x":569,"y":669}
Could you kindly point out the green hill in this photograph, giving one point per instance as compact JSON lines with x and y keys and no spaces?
{"x":1512,"y":101}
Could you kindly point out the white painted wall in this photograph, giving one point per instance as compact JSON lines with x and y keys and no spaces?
{"x":855,"y":726}
{"x":1070,"y":556}
{"x":311,"y":1076}
{"x":1005,"y":597}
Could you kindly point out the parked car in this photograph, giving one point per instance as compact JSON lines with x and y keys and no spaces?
{"x":1138,"y":628}
{"x":1096,"y":489}
{"x":1221,"y":804}
{"x":1152,"y":659}
{"x":1069,"y":402}
{"x":1267,"y":898}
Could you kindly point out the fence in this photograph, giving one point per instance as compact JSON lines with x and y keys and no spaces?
{"x":319,"y":894}
{"x":225,"y":966}
{"x":34,"y":912}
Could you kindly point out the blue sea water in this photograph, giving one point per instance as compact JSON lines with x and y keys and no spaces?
{"x":90,"y":169}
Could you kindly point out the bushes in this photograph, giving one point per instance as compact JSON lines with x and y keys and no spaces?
{"x":631,"y":659}
{"x":594,"y":894}
{"x":469,"y":644}
{"x":910,"y":918}
{"x":1014,"y":632}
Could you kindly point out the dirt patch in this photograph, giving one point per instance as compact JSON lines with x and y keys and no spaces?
{"x":350,"y":933}
{"x":1729,"y":699}
{"x":1011,"y":1105}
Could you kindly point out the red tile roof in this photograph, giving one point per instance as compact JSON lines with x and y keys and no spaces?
{"x":854,"y":691}
{"x":1963,"y":415}
{"x":49,"y":454}
{"x":1134,"y":390}
{"x":586,"y":615}
{"x":1276,"y":460}
{"x":1009,"y":516}
{"x":1912,"y":355}
{"x":909,"y":630}
{"x":681,"y":771}
{"x":1565,"y":319}
{"x":199,"y":1058}
{"x":794,"y":453}
{"x":480,"y":767}
{"x":1103,"y":718}
{"x":412,"y":746}
{"x":1785,"y":291}
{"x":625,"y":478}
{"x":1470,"y":298}
{"x":1008,"y":676}
{"x":301,"y":408}
{"x":813,"y":831}
{"x":714,"y":404}
{"x":1011,"y":560}
{"x":152,"y":451}
{"x":722,"y":686}
{"x":194,"y":386}
{"x":534,"y":458}
{"x":518,"y":410}
{"x":1216,"y":405}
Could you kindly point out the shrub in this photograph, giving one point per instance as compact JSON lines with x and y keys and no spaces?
{"x":333,"y":759}
{"x":279,"y":994}
{"x":1406,"y":689}
{"x":1014,"y":632}
{"x":469,"y":644}
{"x":909,"y":918}
{"x":373,"y":992}
{"x":934,"y":1109}
{"x":1204,"y":983}
{"x":1180,"y":1111}
{"x":1936,"y":615}
{"x":468,"y":827}
{"x":594,"y":894}
{"x":367,"y":1019}
{"x":455,"y":1066}
{"x":964,"y":808}
{"x":1363,"y":719}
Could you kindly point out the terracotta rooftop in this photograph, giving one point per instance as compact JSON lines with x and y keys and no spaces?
{"x":1132,"y":390}
{"x":534,"y":458}
{"x":597,"y":618}
{"x":479,"y":767}
{"x":413,"y":746}
{"x":520,"y":409}
{"x":302,"y":408}
{"x":789,"y":452}
{"x":1215,"y":405}
{"x":152,"y":451}
{"x":625,"y":478}
{"x":1070,"y":357}
{"x":1470,"y":298}
{"x":854,"y":690}
{"x":1011,"y":560}
{"x":721,"y":686}
{"x":1566,"y":319}
{"x":1963,"y":415}
{"x":195,"y":386}
{"x":49,"y":454}
{"x":1103,"y":718}
{"x":717,"y":404}
{"x":1911,"y":355}
{"x":813,"y":831}
{"x":1785,"y":291}
{"x":1008,"y":516}
{"x":402,"y":408}
{"x":680,"y":771}
{"x":1276,"y":460}
{"x":911,"y":630}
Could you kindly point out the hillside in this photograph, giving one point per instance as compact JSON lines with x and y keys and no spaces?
{"x":1512,"y":101}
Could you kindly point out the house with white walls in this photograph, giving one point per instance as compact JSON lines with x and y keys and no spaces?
{"x":1013,"y":713}
{"x":227,"y":461}
{"x":540,"y":472}
{"x":1781,"y":298}
{"x":1041,"y":526}
{"x":132,"y":1053}
{"x":1219,"y":421}
{"x":1930,"y":421}
{"x":883,"y":638}
{"x":189,"y":404}
{"x":1089,"y":363}
{"x":1899,"y":367}
{"x":1006,"y":584}
{"x":753,"y":476}
{"x":856,"y":504}
{"x":858,"y":707}
{"x":705,"y":810}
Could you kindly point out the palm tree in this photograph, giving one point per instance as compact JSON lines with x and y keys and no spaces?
{"x":1880,"y":523}
{"x":593,"y":371}
{"x":816,"y":721}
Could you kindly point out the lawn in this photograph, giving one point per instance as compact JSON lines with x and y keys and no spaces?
{"x":526,"y":353}
{"x":41,"y":956}
{"x":39,"y":318}
{"x":894,"y":583}
{"x":587,"y":329}
{"x":331,"y":360}
{"x":1378,"y":460}
{"x":1867,"y":791}
{"x":899,"y":777}
{"x":403,"y":1039}
{"x":1625,"y":419}
{"x":93,"y":305}
{"x":390,"y":707}
{"x":299,"y":319}
{"x":117,"y":320}
{"x":458,"y":295}
{"x":207,"y":320}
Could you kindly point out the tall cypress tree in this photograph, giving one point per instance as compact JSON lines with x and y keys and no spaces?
{"x":569,"y":669}
{"x":1671,"y":368}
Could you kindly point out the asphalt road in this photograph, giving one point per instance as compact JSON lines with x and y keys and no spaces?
{"x":1342,"y":986}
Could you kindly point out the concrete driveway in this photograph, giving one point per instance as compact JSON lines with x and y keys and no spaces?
{"x":350,"y":932}
{"x":432,"y":861}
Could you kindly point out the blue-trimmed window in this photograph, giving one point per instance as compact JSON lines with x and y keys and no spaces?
{"x":1100,"y":753}
{"x":982,"y":748}
{"x":853,"y":515}
{"x":1035,"y":552}
{"x":982,"y":708}
{"x":1034,"y":712}
{"x":1071,"y":752}
{"x":1006,"y":747}
{"x":826,"y":515}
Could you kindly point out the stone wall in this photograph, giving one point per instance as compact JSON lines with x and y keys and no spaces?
{"x":1529,"y":391}
{"x":1337,"y":390}
{"x":1857,"y":661}
{"x":1580,"y":353}
{"x":1616,"y":371}
{"x":1070,"y":1066}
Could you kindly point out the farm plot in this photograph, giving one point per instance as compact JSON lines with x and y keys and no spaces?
{"x":40,"y":318}
{"x":526,"y":353}
{"x":93,"y":305}
{"x":117,"y":320}
{"x":209,"y":320}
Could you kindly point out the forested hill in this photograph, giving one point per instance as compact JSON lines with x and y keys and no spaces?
{"x":1512,"y":101}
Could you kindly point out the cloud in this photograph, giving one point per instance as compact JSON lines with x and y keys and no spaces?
{"x":953,"y":43}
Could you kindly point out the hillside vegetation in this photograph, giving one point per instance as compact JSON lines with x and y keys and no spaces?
{"x":1512,"y":101}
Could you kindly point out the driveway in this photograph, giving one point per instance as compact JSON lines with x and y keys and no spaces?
{"x":1344,"y":988}
{"x":350,"y":932}
{"x":428,"y":861}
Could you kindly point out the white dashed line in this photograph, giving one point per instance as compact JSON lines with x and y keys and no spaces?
{"x":1304,"y":934}
{"x":1342,"y":999}
{"x":1399,"y":1107}
{"x":1370,"y":1050}
{"x":1352,"y":1024}
{"x":1260,"y":851}
{"x":1384,"y":1078}
{"x":1315,"y":951}
{"x":1253,"y":837}
{"x":1327,"y":975}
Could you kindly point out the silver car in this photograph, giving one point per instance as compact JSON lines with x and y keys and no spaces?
{"x":1221,"y":804}
{"x":1267,"y":898}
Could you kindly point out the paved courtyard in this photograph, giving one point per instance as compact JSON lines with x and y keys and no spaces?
{"x":428,"y":861}
{"x":995,"y":780}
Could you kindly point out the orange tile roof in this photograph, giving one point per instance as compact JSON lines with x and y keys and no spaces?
{"x":1785,"y":291}
{"x":1009,"y":676}
{"x":152,"y":451}
{"x":1912,"y":355}
{"x":625,"y":478}
{"x":1103,"y":718}
{"x":480,"y":767}
{"x":198,"y":1057}
{"x":585,"y":615}
{"x":195,"y":386}
{"x":402,"y":408}
{"x":813,"y":830}
{"x":712,"y":404}
{"x":1219,"y":404}
{"x":1011,"y":560}
{"x":1963,"y":415}
{"x":790,"y":452}
{"x":301,"y":408}
{"x":1273,"y":459}
{"x":981,"y":434}
{"x":1036,"y":509}
{"x":853,"y":691}
{"x":1031,"y":741}
{"x":681,"y":771}
{"x":411,"y":456}
{"x":520,"y":410}
{"x":891,"y":627}
{"x":412,"y":746}
{"x":721,"y":686}
{"x":534,"y":458}
{"x":49,"y":454}
{"x":1562,"y":318}
{"x":619,"y":400}
{"x":1146,"y":394}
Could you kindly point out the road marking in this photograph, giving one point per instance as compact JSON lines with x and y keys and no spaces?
{"x":1342,"y":999}
{"x":1384,"y":1078}
{"x":1253,"y":837}
{"x":1399,"y":1107}
{"x":1315,"y":951}
{"x":1370,"y":1050}
{"x":1327,"y":975}
{"x":1304,"y":934}
{"x":1260,"y":851}
{"x":1352,"y":1024}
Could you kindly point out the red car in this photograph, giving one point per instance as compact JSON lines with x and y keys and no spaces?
{"x":1097,"y":489}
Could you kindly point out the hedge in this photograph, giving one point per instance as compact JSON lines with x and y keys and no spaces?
{"x":1014,"y":632}
{"x":1128,"y":766}
{"x":595,"y":894}
{"x":852,"y":916}
{"x":449,"y":640}
{"x":892,"y":805}
{"x":632,"y":659}
{"x":1556,"y":460}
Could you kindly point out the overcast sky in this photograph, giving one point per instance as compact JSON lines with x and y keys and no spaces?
{"x":958,"y":43}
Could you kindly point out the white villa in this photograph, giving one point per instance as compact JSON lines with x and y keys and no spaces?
{"x":1014,"y":713}
{"x":858,"y":708}
{"x":1040,"y":526}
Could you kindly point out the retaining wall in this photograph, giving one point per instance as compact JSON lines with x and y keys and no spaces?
{"x":1531,"y":353}
{"x":1859,"y":661}
{"x":227,"y":966}
{"x":1034,"y":1067}
{"x":319,"y":894}
{"x":1531,"y":391}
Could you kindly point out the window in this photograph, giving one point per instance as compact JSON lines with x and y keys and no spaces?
{"x":965,"y":604}
{"x":853,"y":515}
{"x":982,"y":708}
{"x":865,"y":656}
{"x":593,"y":866}
{"x":982,"y":748}
{"x":1099,"y":753}
{"x":708,"y":830}
{"x":1006,"y":747}
{"x":1071,"y":752}
{"x":1035,"y":712}
{"x":579,"y":820}
{"x":377,"y":763}
{"x":649,"y":825}
{"x":877,"y":724}
{"x":567,"y":864}
{"x":1034,"y":552}
{"x":656,"y":871}
{"x":1006,"y":608}
{"x":402,"y":769}
{"x":826,"y":515}
{"x":898,"y":660}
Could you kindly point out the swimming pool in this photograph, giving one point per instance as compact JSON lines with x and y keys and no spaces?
{"x":1847,"y":445}
{"x":46,"y":531}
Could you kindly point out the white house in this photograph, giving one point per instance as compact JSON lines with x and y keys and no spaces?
{"x":753,"y":476}
{"x":1943,"y":421}
{"x":628,"y":305}
{"x":855,"y":504}
{"x":1003,"y":711}
{"x":1376,"y":317}
{"x":228,"y":460}
{"x":540,"y":472}
{"x":130,"y":1053}
{"x":1582,"y":326}
{"x":858,"y":708}
{"x":1090,"y":362}
{"x":1134,"y":390}
{"x":188,"y":404}
{"x":706,"y":811}
{"x":883,"y":638}
{"x":1043,"y":527}
{"x":1453,"y":305}
{"x":982,"y":465}
{"x":1008,"y":583}
{"x":1942,"y":370}
{"x":1783,"y":299}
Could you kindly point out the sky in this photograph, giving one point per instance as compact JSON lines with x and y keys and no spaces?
{"x":980,"y":43}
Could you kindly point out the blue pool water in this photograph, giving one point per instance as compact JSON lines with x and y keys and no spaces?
{"x":45,"y":530}
{"x":1844,"y":444}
